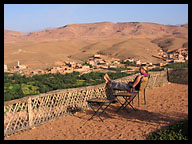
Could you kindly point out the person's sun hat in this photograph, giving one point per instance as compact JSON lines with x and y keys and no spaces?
{"x":144,"y":67}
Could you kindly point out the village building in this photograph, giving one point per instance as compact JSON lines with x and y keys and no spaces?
{"x":91,"y":59}
{"x":186,"y":58}
{"x":170,"y":56}
{"x":54,"y":71}
{"x":156,"y":64}
{"x":176,"y":55}
{"x":100,"y":61}
{"x":161,"y":64}
{"x":39,"y":71}
{"x":180,"y":57}
{"x":107,"y":62}
{"x":97,"y":56}
{"x":85,"y":67}
{"x":34,"y":72}
{"x":112,"y":66}
{"x":5,"y":68}
{"x":144,"y":63}
{"x":169,"y":61}
{"x":138,"y":62}
{"x":19,"y":66}
{"x":72,"y":64}
{"x":116,"y":62}
{"x":92,"y":63}
{"x":177,"y":61}
{"x":129,"y":60}
{"x":164,"y":55}
{"x":79,"y":65}
{"x":103,"y":66}
{"x":160,"y":52}
{"x":150,"y":63}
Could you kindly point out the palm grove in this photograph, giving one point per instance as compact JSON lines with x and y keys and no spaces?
{"x":17,"y":86}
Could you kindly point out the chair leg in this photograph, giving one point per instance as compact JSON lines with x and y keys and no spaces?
{"x":144,"y":97}
{"x":132,"y":101}
{"x":138,"y":98}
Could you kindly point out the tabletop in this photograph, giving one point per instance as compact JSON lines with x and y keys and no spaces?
{"x":100,"y":100}
{"x":125,"y":94}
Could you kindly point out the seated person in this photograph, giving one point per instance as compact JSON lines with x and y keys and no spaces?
{"x":131,"y":86}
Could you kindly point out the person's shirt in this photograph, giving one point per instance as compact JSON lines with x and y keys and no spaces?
{"x":139,"y":84}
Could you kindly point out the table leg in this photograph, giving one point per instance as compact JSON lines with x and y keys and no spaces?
{"x":122,"y":105}
{"x":104,"y":110}
{"x":95,"y":112}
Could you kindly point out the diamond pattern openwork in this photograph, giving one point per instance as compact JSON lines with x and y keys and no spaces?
{"x":31,"y":111}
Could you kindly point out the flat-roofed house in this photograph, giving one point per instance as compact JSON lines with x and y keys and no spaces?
{"x":5,"y":68}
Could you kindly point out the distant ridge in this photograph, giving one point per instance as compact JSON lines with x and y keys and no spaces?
{"x":102,"y":29}
{"x":13,"y":35}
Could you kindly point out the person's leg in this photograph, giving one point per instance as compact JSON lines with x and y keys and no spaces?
{"x":115,"y":85}
{"x":107,"y":79}
{"x":119,"y":85}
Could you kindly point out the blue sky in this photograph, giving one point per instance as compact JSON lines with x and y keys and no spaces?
{"x":35,"y":17}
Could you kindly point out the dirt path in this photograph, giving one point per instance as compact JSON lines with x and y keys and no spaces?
{"x":165,"y":105}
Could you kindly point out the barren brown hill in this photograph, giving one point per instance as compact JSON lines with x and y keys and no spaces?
{"x":77,"y":42}
{"x":109,"y":29}
{"x":169,"y":44}
{"x":12,"y":35}
{"x":185,"y":25}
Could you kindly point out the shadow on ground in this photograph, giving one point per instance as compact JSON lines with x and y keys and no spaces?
{"x":138,"y":116}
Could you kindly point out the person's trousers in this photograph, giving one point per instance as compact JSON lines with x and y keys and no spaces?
{"x":119,"y":85}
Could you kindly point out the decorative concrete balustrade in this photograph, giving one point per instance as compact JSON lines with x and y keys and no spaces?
{"x":28,"y":112}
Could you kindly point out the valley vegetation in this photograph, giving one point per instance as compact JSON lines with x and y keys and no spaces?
{"x":18,"y":86}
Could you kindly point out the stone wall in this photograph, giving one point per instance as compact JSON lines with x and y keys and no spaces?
{"x":178,"y":75}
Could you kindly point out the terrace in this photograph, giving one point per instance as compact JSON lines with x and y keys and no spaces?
{"x":165,"y":105}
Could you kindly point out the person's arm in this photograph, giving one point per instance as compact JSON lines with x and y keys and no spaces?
{"x":137,"y":81}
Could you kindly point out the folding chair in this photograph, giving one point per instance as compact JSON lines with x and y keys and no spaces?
{"x":111,"y":93}
{"x":128,"y":98}
{"x":142,"y":89}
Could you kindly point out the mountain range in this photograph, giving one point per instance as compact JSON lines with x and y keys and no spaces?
{"x":77,"y":42}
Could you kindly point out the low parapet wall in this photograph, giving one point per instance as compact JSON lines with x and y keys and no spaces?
{"x":28,"y":112}
{"x":178,"y":75}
